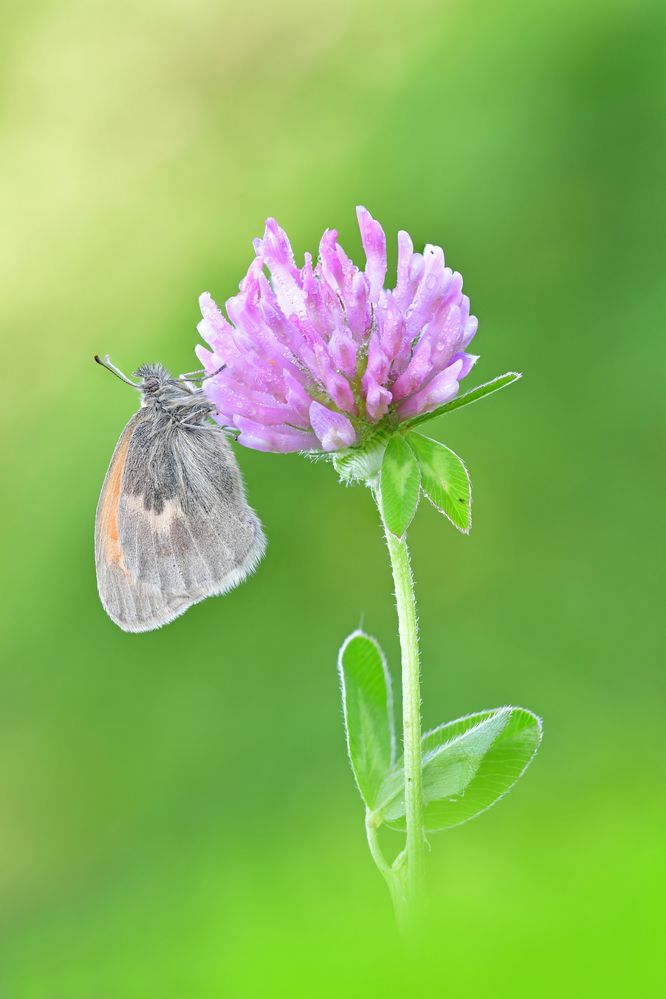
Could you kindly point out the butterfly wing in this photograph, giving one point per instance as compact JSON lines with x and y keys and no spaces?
{"x":173,"y":524}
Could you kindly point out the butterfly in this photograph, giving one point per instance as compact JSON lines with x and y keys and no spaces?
{"x":173,"y":525}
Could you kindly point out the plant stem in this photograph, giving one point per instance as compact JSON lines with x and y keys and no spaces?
{"x":386,"y":871}
{"x":414,"y":877}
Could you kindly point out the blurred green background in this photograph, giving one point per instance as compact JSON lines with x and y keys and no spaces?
{"x":177,"y":815}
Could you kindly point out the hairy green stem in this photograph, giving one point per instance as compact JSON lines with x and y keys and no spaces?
{"x":415,"y":848}
{"x":386,"y":871}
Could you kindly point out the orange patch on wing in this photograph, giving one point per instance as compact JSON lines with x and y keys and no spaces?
{"x":108,"y":513}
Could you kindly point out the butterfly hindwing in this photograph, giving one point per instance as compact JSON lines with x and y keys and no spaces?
{"x":173,"y":524}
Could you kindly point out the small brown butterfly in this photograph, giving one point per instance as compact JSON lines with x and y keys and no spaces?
{"x":173,"y":525}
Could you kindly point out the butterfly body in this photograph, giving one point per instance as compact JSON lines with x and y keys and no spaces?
{"x":173,"y":525}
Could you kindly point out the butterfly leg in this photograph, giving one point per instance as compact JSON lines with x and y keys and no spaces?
{"x":199,"y":376}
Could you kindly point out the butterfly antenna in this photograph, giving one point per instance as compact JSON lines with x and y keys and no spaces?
{"x":106,"y":363}
{"x":213,"y":373}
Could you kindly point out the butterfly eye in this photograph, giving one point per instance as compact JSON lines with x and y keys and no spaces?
{"x":151,"y":385}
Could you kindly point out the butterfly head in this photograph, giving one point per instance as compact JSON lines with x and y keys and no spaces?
{"x":154,"y":379}
{"x":178,"y":399}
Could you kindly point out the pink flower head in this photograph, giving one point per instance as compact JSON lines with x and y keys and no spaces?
{"x":316,"y":357}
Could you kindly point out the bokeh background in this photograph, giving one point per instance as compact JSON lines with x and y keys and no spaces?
{"x":177,"y":815}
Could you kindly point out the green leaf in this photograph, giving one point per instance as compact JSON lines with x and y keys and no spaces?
{"x":444,"y":480}
{"x":367,"y":703}
{"x":480,"y":392}
{"x":400,"y":485}
{"x":468,"y":765}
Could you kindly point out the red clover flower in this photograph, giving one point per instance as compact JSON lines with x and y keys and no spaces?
{"x":317,"y":357}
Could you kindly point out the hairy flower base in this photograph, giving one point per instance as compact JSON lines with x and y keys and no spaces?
{"x":363,"y":462}
{"x":319,"y":357}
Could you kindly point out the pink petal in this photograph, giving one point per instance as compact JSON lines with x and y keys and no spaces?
{"x":377,"y":399}
{"x":342,"y":349}
{"x":335,"y":264}
{"x":403,"y":291}
{"x":207,"y":358}
{"x":340,"y":391}
{"x":333,"y":429}
{"x":357,"y":307}
{"x":258,"y":406}
{"x":471,"y":327}
{"x":276,"y":251}
{"x":416,"y":372}
{"x":374,"y":244}
{"x":391,"y":327}
{"x":213,"y":325}
{"x":431,"y":288}
{"x":468,"y":362}
{"x":281,"y":438}
{"x":378,"y":363}
{"x":444,"y":334}
{"x":442,"y":388}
